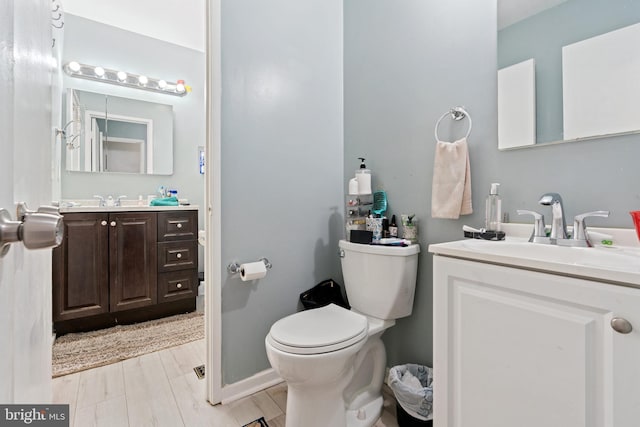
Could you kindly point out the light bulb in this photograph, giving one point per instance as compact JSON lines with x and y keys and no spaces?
{"x":99,"y":71}
{"x":180,"y":88}
{"x":122,"y":76}
{"x":74,"y":66}
{"x":162,"y":84}
{"x":143,"y":80}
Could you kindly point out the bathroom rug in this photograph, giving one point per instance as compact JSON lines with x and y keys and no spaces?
{"x":85,"y":350}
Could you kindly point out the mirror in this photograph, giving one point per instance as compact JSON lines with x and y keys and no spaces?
{"x":106,"y":133}
{"x":566,"y":70}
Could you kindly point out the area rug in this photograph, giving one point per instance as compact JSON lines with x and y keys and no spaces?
{"x":85,"y":350}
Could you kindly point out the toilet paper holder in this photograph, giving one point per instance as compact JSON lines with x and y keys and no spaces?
{"x":234,"y":267}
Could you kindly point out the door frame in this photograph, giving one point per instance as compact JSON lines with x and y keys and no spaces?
{"x":212,"y":201}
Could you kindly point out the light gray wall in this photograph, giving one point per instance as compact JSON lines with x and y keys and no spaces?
{"x":282,"y":148}
{"x":405,"y":65}
{"x":542,"y":37}
{"x":95,"y":43}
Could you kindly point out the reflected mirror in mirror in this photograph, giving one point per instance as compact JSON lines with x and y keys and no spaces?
{"x":107,"y":133}
{"x":567,"y":70}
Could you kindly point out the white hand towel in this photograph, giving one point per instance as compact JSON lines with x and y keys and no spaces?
{"x":451,"y":187}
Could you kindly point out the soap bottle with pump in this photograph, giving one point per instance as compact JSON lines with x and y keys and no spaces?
{"x":363,"y":176}
{"x":493,"y":212}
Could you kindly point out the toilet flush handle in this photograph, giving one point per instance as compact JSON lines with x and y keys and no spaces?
{"x":341,"y":253}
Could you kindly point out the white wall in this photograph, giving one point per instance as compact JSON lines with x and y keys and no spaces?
{"x":175,"y":21}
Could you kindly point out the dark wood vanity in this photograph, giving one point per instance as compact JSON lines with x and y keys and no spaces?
{"x":120,"y":267}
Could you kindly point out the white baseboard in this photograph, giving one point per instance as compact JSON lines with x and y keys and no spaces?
{"x":248,"y":386}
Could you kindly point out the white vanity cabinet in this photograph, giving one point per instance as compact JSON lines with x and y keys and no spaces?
{"x":515,"y":347}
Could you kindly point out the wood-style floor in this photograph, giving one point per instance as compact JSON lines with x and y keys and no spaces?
{"x":161,"y":389}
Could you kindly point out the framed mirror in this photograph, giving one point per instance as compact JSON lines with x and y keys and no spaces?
{"x":106,"y":133}
{"x":567,"y":70}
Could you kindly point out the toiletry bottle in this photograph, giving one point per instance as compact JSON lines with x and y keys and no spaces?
{"x":493,"y":212}
{"x":393,"y":227}
{"x":363,"y":175}
{"x":353,"y":186}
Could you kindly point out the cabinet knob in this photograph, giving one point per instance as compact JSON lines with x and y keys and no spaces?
{"x":103,"y":222}
{"x":179,"y":225}
{"x":179,"y":285}
{"x":179,"y":256}
{"x":621,"y":325}
{"x":113,"y":223}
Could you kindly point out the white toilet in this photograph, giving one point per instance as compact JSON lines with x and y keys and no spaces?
{"x":333,"y":359}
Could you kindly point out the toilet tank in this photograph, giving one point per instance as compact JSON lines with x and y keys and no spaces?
{"x":380,"y":280}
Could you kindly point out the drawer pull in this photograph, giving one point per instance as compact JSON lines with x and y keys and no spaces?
{"x":179,"y":225}
{"x":179,"y":256}
{"x":179,"y":285}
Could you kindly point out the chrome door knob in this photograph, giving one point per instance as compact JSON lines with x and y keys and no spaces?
{"x":113,"y":223}
{"x":103,"y":222}
{"x":621,"y":325}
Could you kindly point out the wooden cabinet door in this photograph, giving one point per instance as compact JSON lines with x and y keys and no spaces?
{"x":133,"y":260}
{"x":80,"y":267}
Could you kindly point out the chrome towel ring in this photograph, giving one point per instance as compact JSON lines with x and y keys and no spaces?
{"x":457,"y":113}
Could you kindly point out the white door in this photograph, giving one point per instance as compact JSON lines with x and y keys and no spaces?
{"x":26,"y":140}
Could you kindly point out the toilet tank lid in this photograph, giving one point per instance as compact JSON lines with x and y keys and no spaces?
{"x":380,"y":249}
{"x":319,"y":327}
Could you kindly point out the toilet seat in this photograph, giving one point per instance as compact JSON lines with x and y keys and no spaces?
{"x":317,"y":331}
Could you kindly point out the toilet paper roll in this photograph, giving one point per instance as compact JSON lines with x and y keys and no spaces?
{"x":252,"y":271}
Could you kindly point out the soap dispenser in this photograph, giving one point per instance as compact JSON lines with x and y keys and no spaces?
{"x":363,"y":176}
{"x":493,"y":212}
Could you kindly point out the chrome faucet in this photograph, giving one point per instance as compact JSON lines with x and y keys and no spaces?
{"x":558,"y":222}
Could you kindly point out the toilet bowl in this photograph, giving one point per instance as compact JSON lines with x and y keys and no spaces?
{"x":333,"y":359}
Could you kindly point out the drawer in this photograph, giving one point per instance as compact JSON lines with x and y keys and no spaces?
{"x":177,"y":285}
{"x":177,"y":225}
{"x":177,"y":255}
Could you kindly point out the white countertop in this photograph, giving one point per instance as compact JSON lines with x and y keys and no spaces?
{"x":618,"y":263}
{"x":127,"y":206}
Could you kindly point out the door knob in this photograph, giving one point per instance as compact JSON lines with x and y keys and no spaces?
{"x":179,"y":256}
{"x":179,"y":225}
{"x":113,"y":223}
{"x":179,"y":285}
{"x":37,"y":231}
{"x":621,"y":325}
{"x":103,"y":222}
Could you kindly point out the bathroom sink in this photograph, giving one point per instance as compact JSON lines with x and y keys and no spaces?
{"x":615,"y":264}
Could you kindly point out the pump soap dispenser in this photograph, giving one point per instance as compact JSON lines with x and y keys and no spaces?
{"x":493,"y":212}
{"x":363,"y":176}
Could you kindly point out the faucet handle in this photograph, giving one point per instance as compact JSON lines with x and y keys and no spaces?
{"x":119,"y":200}
{"x":538,"y":224}
{"x":100,"y":200}
{"x":580,"y":228}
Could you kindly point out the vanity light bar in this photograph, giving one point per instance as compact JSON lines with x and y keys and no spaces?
{"x":121,"y":78}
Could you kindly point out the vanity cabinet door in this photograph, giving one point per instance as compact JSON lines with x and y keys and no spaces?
{"x":132,"y":260}
{"x":81,"y":268}
{"x":514,"y":347}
